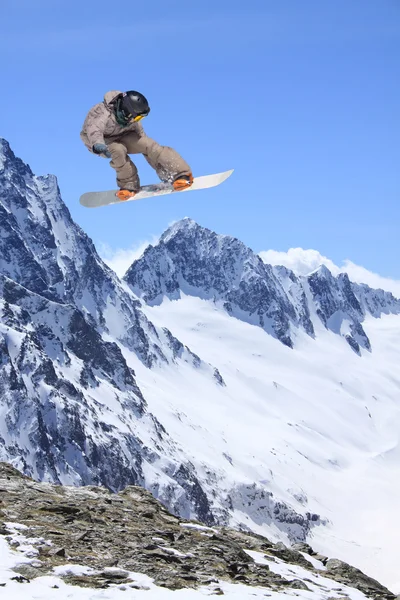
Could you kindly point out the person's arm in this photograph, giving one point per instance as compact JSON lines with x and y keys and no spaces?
{"x":96,"y":124}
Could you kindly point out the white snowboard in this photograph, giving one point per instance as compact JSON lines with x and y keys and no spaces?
{"x":95,"y":199}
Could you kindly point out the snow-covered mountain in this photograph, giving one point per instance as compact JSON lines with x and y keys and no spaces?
{"x":192,"y":260}
{"x":311,"y":408}
{"x":71,"y":409}
{"x":234,"y":391}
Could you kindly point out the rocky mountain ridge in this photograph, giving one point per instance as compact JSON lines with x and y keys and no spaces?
{"x":190,"y":259}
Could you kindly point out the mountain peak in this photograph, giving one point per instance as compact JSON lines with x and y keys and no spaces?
{"x":8,"y":160}
{"x":184,"y":225}
{"x":4,"y":146}
{"x":197,"y":261}
{"x":322,"y":272}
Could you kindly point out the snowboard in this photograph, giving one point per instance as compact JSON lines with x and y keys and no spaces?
{"x":96,"y":199}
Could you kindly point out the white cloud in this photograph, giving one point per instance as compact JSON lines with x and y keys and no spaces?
{"x":120,"y":259}
{"x":302,"y":262}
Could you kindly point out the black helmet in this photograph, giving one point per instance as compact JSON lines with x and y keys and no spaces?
{"x":132,"y":106}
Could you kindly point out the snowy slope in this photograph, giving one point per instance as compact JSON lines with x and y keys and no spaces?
{"x":318,"y":428}
{"x":316,"y":425}
{"x":142,"y":587}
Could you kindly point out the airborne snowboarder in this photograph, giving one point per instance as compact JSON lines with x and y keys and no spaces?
{"x":112,"y":129}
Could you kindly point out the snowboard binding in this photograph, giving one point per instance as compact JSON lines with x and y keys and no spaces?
{"x":124,"y":194}
{"x":182,"y":182}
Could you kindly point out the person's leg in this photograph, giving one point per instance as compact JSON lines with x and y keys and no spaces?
{"x":127,"y":174}
{"x":167,"y":163}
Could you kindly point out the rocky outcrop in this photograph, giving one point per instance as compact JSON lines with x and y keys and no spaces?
{"x":109,"y":536}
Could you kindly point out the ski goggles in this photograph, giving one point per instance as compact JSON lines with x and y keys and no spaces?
{"x":136,"y":118}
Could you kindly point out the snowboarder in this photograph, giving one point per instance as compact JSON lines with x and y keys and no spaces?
{"x":112,"y":129}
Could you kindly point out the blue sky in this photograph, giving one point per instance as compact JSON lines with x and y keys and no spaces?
{"x":301,"y":98}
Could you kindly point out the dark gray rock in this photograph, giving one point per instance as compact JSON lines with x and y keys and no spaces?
{"x":344,"y":573}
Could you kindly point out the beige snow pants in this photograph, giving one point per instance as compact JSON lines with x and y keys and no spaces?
{"x":167,"y":162}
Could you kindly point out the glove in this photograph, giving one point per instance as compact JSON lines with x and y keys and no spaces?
{"x":101,"y":149}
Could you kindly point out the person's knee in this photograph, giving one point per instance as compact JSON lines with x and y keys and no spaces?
{"x":154,"y":150}
{"x":118,"y":154}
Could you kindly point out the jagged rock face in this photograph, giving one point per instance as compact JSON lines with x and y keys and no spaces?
{"x":264,"y":508}
{"x":54,"y":369}
{"x":343,"y":305}
{"x":196,"y":261}
{"x":42,"y":249}
{"x":193,"y":260}
{"x":338,"y":307}
{"x":112,"y":535}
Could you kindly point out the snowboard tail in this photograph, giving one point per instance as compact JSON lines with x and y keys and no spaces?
{"x":96,"y":199}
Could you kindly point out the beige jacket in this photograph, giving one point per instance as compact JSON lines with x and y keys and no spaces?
{"x":100,"y":125}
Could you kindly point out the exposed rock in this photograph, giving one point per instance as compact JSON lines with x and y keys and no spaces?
{"x":344,"y":573}
{"x":111,"y":535}
{"x":288,"y":555}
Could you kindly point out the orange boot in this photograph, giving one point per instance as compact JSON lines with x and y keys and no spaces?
{"x":125,"y":194}
{"x":182,"y":182}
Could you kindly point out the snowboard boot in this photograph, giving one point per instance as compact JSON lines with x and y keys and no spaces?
{"x":182,"y":182}
{"x":127,"y":192}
